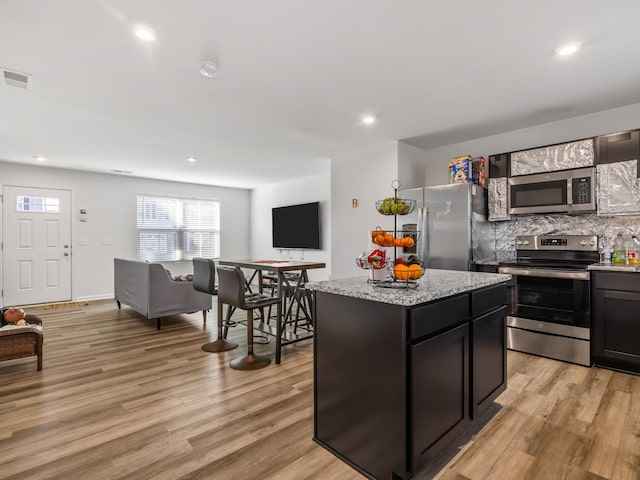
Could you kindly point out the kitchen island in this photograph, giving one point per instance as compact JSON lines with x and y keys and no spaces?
{"x":399,"y":374}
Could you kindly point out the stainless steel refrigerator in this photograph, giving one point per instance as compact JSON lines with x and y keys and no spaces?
{"x":452,"y":226}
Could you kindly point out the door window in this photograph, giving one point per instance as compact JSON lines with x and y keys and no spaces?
{"x":25,"y":203}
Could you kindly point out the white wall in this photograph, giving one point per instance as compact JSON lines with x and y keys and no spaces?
{"x":304,"y":190}
{"x":110,"y":201}
{"x":601,"y":123}
{"x":365,"y":175}
{"x":412,"y":165}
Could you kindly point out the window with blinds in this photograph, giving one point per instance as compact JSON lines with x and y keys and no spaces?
{"x":172,"y":229}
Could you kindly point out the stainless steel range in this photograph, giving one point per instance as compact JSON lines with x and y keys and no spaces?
{"x":550,"y":310}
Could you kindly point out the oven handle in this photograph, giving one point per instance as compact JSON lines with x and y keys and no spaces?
{"x":545,"y":273}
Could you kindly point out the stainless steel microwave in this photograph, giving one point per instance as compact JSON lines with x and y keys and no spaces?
{"x":562,"y":191}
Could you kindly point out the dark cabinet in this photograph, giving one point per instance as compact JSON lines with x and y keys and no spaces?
{"x":488,"y":359}
{"x":618,"y":147}
{"x":439,"y":393}
{"x":499,"y":165}
{"x":616,"y":320}
{"x":393,"y":384}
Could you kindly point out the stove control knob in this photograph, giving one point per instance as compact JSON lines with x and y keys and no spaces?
{"x":592,"y":243}
{"x":583,"y":242}
{"x":526,"y":242}
{"x":519,"y":242}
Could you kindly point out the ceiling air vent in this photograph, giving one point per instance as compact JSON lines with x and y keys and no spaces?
{"x":16,"y":79}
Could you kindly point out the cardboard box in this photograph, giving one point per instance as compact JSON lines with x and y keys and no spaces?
{"x":479,"y":170}
{"x":465,"y":169}
{"x":460,"y":170}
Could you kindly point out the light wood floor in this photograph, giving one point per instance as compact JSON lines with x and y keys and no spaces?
{"x":119,"y":400}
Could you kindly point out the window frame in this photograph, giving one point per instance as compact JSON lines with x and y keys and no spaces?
{"x":176,"y":228}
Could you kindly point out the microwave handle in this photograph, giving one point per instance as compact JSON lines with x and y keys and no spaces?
{"x":569,"y":191}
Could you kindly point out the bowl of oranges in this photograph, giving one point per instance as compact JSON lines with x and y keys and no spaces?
{"x":406,"y":270}
{"x":388,"y":239}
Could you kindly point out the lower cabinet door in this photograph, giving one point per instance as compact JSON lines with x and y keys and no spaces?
{"x":616,"y":326}
{"x":488,"y":360}
{"x":439,"y":408}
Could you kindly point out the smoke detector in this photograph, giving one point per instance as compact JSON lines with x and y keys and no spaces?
{"x":16,"y":79}
{"x":208,"y":69}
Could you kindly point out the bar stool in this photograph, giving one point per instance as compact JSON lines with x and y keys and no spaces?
{"x":204,"y":280}
{"x":231,"y":290}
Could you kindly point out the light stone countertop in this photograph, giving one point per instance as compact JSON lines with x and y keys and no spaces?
{"x":434,"y":284}
{"x":613,"y":267}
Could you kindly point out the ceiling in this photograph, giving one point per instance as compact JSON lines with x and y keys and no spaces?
{"x":294,"y":79}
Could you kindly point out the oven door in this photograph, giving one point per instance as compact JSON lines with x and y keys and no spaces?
{"x":555,"y":296}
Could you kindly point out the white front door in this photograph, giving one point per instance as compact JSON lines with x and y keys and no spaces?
{"x":36,"y":255}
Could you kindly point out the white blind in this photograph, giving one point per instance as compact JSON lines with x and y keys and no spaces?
{"x":177,"y":228}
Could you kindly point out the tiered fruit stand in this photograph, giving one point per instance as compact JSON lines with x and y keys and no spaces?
{"x":387,"y":273}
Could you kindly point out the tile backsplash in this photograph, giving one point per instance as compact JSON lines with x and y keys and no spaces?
{"x":605,"y":227}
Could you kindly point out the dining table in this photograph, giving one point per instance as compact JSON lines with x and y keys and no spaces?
{"x":292,"y":284}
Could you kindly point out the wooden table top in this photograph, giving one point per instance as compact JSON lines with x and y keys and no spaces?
{"x":274,"y":265}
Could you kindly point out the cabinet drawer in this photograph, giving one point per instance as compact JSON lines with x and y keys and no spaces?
{"x":438,"y":316}
{"x":627,"y":282}
{"x":487,"y":299}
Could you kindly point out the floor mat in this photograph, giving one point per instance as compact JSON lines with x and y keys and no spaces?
{"x":49,"y":306}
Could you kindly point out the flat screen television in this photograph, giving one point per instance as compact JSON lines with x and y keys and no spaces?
{"x":296,"y":226}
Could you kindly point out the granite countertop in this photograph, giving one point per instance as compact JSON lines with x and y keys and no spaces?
{"x":613,"y":267}
{"x":435,"y":284}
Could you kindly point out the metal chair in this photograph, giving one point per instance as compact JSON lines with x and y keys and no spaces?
{"x":231,"y":290}
{"x":204,"y":280}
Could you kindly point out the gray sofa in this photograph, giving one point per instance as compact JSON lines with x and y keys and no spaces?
{"x":148,"y":289}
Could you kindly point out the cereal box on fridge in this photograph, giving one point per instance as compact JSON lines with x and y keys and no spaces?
{"x":460,"y":169}
{"x":478,"y":166}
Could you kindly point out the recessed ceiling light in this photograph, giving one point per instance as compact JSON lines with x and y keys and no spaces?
{"x":208,"y":69}
{"x":567,"y":49}
{"x":40,"y":158}
{"x":192,"y":159}
{"x":144,"y":33}
{"x":368,"y":119}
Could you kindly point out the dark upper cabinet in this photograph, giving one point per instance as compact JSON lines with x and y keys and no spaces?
{"x":616,"y":320}
{"x":618,"y":147}
{"x":499,"y":165}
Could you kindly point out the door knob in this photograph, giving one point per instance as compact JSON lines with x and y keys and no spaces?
{"x":66,"y":246}
{"x":66,"y":254}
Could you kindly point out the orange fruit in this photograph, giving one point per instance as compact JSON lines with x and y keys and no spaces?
{"x":415,"y":271}
{"x":409,"y":242}
{"x":375,"y":233}
{"x":388,"y":240}
{"x":401,"y":272}
{"x":379,"y":240}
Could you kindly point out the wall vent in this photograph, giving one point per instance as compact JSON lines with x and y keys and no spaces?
{"x":17,"y":79}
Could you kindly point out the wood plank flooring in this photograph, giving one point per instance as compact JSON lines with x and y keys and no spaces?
{"x":118,"y":399}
